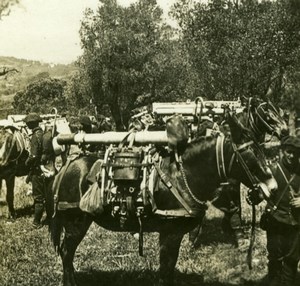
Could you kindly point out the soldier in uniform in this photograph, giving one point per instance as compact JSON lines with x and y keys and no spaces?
{"x":33,"y":162}
{"x":48,"y":169}
{"x":281,"y":219}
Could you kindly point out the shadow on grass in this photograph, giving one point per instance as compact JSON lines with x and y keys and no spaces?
{"x":150,"y":278}
{"x":212,"y":233}
{"x":25,"y":211}
{"x":138,"y":278}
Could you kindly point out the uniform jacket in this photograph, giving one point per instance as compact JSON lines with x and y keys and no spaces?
{"x":281,"y":198}
{"x":47,"y":151}
{"x":36,"y":147}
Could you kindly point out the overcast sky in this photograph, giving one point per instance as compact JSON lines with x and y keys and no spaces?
{"x":48,"y":30}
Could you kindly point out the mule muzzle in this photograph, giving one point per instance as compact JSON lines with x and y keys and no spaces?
{"x":261,"y":191}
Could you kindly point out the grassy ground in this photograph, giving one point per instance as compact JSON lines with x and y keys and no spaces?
{"x":109,"y":258}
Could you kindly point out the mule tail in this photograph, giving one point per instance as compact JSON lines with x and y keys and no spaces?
{"x":56,"y":229}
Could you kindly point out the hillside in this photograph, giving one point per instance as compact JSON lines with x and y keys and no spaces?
{"x":28,"y":72}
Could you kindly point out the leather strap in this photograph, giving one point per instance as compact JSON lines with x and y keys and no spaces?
{"x":165,"y":179}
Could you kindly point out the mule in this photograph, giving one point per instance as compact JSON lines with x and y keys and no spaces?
{"x":13,"y":154}
{"x":262,"y":118}
{"x":195,"y":177}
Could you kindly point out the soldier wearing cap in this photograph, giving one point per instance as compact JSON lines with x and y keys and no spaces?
{"x":281,"y":219}
{"x":85,"y":124}
{"x":32,"y":121}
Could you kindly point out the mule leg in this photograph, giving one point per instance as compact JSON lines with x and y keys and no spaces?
{"x":10,"y":186}
{"x":76,"y":226}
{"x":169,"y":250}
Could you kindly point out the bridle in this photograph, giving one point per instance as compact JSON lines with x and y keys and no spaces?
{"x":258,"y":111}
{"x":222,"y":171}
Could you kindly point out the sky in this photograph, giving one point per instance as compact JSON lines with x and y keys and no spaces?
{"x":48,"y":30}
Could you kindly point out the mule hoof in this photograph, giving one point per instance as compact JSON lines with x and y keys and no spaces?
{"x":12,"y":216}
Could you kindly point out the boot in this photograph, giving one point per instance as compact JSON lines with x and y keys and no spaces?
{"x":38,"y":213}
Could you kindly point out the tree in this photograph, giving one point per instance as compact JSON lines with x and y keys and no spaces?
{"x":240,"y":48}
{"x":41,"y":96}
{"x":5,"y":6}
{"x":6,"y":70}
{"x":124,"y":55}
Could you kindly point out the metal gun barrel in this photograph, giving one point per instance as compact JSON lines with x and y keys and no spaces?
{"x":142,"y":137}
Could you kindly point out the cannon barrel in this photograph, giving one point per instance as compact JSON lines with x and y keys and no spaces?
{"x":142,"y":137}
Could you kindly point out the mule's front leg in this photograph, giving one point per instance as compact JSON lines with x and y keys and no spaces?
{"x":169,"y":249}
{"x":75,"y":230}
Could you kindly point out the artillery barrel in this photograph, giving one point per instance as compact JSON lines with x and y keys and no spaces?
{"x":142,"y":137}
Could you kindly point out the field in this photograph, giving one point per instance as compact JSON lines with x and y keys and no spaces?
{"x":108,"y":258}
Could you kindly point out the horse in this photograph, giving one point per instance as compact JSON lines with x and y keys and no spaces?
{"x":183,"y":189}
{"x":13,"y":154}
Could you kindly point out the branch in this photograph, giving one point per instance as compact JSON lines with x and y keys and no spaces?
{"x":6,"y":70}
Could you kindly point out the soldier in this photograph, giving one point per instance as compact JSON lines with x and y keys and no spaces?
{"x":85,"y":124}
{"x":32,"y":121}
{"x":282,"y":217}
{"x":49,"y":170}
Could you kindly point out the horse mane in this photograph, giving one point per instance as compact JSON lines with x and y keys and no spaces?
{"x":198,"y":145}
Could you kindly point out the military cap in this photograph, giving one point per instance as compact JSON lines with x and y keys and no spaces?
{"x":291,"y":141}
{"x":85,"y":120}
{"x":209,"y":105}
{"x":33,"y":117}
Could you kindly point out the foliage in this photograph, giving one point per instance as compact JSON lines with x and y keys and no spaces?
{"x":29,"y":71}
{"x":5,"y":7}
{"x":128,"y":58}
{"x":240,"y":48}
{"x":41,"y":96}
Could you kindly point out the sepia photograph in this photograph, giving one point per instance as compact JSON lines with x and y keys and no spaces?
{"x":149,"y":142}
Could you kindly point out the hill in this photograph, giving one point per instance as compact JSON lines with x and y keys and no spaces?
{"x":28,"y":71}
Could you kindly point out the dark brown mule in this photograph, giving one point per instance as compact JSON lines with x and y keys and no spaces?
{"x":262,"y":118}
{"x":196,"y":178}
{"x":13,"y":154}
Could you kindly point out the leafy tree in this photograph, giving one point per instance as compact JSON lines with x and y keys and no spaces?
{"x":240,"y":48}
{"x":5,"y":7}
{"x":125,"y":57}
{"x":41,"y":96}
{"x":78,"y":94}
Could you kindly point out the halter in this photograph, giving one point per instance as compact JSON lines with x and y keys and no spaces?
{"x":251,"y":120}
{"x":236,"y":154}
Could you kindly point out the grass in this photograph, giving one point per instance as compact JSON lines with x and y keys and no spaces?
{"x":110,"y":258}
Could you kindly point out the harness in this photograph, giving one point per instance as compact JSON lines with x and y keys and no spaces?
{"x":222,"y":172}
{"x":18,"y":141}
{"x":258,"y":112}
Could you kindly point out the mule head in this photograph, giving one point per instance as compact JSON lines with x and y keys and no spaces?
{"x":270,"y":119}
{"x":248,"y":164}
{"x":177,"y":132}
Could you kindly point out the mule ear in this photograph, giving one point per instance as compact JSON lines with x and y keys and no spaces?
{"x":177,"y":132}
{"x":237,"y":129}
